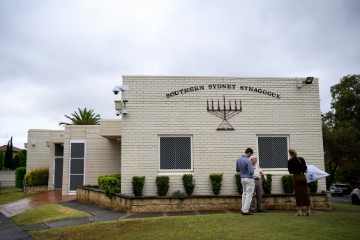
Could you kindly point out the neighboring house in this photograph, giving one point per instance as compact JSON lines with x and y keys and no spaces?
{"x":15,"y":149}
{"x":198,"y":125}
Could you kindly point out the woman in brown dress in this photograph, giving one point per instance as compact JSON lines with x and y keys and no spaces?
{"x":297,"y":167}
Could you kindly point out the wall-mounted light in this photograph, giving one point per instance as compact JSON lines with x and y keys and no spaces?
{"x":47,"y":143}
{"x":120,"y":107}
{"x":308,"y":80}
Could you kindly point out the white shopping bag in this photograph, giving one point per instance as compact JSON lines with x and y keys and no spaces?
{"x":313,"y":173}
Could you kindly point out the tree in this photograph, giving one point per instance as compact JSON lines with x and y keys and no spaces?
{"x":1,"y":160}
{"x":8,"y":163}
{"x":346,"y":100}
{"x":341,"y":126}
{"x":84,"y":117}
{"x":20,"y":159}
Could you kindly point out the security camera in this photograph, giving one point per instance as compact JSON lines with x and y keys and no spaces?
{"x":125,"y":101}
{"x":116,"y":90}
{"x":117,"y":113}
{"x":124,"y":111}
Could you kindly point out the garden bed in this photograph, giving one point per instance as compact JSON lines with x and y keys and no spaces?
{"x":121,"y":202}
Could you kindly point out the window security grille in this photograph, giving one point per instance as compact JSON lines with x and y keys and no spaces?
{"x":58,"y":166}
{"x":273,"y":152}
{"x":77,"y":161}
{"x":175,"y":153}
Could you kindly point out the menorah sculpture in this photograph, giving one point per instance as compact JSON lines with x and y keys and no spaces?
{"x":224,"y":113}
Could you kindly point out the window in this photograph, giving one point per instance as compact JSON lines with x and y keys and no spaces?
{"x":175,"y":153}
{"x":273,"y":151}
{"x":77,"y":162}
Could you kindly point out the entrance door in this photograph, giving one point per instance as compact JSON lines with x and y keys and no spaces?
{"x":58,"y":166}
{"x":77,"y":160}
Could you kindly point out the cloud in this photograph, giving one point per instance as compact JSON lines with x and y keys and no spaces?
{"x":55,"y":56}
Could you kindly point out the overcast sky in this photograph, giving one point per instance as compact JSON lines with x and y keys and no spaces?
{"x":56,"y":56}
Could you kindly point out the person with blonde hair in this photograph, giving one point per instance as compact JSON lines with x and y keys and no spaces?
{"x":297,"y":167}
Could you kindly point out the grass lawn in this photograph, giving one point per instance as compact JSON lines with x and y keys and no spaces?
{"x":47,"y":213}
{"x":278,"y":225}
{"x":12,"y":194}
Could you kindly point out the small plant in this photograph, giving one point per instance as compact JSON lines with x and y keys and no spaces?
{"x":313,"y":186}
{"x":238,"y":183}
{"x":189,"y":183}
{"x":287,"y":183}
{"x":19,"y":176}
{"x":216,"y":179}
{"x":162,"y":183}
{"x":266,"y":184}
{"x":37,"y":177}
{"x":178,"y":194}
{"x":111,"y":184}
{"x":138,"y":185}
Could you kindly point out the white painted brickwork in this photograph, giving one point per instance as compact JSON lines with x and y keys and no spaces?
{"x":150,"y":114}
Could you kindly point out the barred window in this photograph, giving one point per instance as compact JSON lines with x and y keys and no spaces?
{"x":175,"y":153}
{"x":77,"y":164}
{"x":273,"y":151}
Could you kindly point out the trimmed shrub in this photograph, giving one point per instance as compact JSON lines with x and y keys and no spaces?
{"x":287,"y":184}
{"x":19,"y":176}
{"x":216,"y":179}
{"x":267,"y":184}
{"x":111,"y":184}
{"x":313,"y":186}
{"x":162,"y":183}
{"x":138,"y":185}
{"x":189,"y":183}
{"x":37,"y":177}
{"x":238,"y":183}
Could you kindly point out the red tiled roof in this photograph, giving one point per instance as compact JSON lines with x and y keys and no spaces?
{"x":15,"y":149}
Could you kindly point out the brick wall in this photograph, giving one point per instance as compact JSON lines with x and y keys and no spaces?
{"x":283,"y":110}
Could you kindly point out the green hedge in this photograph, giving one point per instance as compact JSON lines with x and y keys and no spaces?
{"x":287,"y":183}
{"x":111,"y":184}
{"x":216,"y":179}
{"x":189,"y":183}
{"x":19,"y":176}
{"x":37,"y":177}
{"x":313,"y":186}
{"x":162,"y":184}
{"x":267,"y":184}
{"x":138,"y":185}
{"x":238,"y":183}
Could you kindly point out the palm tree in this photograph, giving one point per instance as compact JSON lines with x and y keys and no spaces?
{"x":84,"y":117}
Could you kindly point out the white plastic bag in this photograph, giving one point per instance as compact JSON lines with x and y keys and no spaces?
{"x":313,"y":173}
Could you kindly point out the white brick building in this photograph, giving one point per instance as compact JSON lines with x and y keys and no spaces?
{"x":177,"y":125}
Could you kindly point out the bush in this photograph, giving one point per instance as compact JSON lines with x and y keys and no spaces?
{"x":238,"y":183}
{"x":37,"y":177}
{"x":267,"y":184}
{"x":189,"y":183}
{"x":216,"y":179}
{"x":287,"y":183}
{"x":111,"y":184}
{"x":179,"y":194}
{"x":162,"y":183}
{"x":138,"y":185}
{"x":19,"y":176}
{"x":313,"y":186}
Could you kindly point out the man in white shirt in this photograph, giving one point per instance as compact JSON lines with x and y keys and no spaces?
{"x":258,"y":191}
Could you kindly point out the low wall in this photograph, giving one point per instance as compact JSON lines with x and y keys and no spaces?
{"x":120,"y":202}
{"x":7,"y":178}
{"x":35,"y":189}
